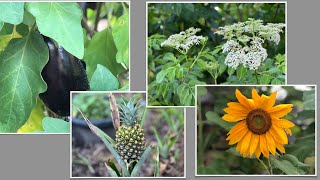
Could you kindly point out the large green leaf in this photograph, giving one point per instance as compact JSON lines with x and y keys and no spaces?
{"x":20,"y":79}
{"x":11,"y":12}
{"x":286,"y":165}
{"x":309,"y":100}
{"x":62,"y":22}
{"x":102,"y":50}
{"x":103,"y":80}
{"x":216,"y":119}
{"x":54,"y":125}
{"x":1,"y":24}
{"x":120,"y":32}
{"x":34,"y":122}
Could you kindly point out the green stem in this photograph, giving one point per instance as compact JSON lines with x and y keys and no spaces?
{"x":200,"y":135}
{"x":264,"y":165}
{"x":270,"y":167}
{"x":124,"y":7}
{"x":195,"y":60}
{"x":256,"y":75}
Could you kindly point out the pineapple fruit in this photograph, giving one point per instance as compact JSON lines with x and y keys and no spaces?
{"x":130,"y":142}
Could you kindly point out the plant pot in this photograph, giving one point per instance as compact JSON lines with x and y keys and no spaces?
{"x":83,"y":136}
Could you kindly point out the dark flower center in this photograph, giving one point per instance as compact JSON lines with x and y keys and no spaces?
{"x":258,"y":121}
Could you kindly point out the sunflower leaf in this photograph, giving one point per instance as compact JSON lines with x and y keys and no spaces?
{"x":308,"y":100}
{"x":284,"y":165}
{"x":216,"y":119}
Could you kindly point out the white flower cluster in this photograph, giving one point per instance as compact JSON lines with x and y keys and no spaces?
{"x":249,"y":56}
{"x":245,"y":40}
{"x":184,"y":40}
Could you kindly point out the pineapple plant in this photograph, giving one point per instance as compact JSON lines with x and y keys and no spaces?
{"x":130,"y":142}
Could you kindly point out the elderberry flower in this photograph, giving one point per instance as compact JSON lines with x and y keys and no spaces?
{"x":184,"y":40}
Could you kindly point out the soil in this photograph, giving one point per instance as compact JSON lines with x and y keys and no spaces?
{"x":88,"y":159}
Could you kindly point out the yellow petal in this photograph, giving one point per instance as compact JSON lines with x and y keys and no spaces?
{"x":271,"y":143}
{"x":243,"y":100}
{"x":256,"y":98}
{"x":283,"y":123}
{"x":271,"y":100}
{"x":264,"y":102}
{"x":238,"y":146}
{"x":263,"y":145}
{"x":238,"y":106}
{"x":232,"y":118}
{"x":246,"y":142}
{"x":288,"y":131}
{"x":239,"y":136}
{"x":280,"y":147}
{"x":232,"y":111}
{"x":279,"y":135}
{"x":258,"y":151}
{"x":240,"y":125}
{"x":280,"y":110}
{"x":254,"y":143}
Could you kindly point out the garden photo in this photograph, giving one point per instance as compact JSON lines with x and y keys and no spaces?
{"x":115,"y":135}
{"x":256,"y":130}
{"x":212,"y":43}
{"x":48,"y":49}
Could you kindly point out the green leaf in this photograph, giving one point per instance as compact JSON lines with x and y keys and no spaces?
{"x":20,"y":79}
{"x":11,"y":12}
{"x":136,"y":170}
{"x":120,"y":33}
{"x":54,"y":125}
{"x":276,"y":81}
{"x":202,"y":64}
{"x":231,"y":71}
{"x":303,"y":147}
{"x":294,"y":160}
{"x":60,"y":21}
{"x":1,"y":25}
{"x":101,"y":50}
{"x":309,"y":100}
{"x":103,"y":80}
{"x":28,"y":19}
{"x":156,"y":164}
{"x":241,"y":71}
{"x":265,"y":80}
{"x":160,"y":76}
{"x":222,"y":68}
{"x":112,"y":169}
{"x":215,"y":118}
{"x":108,"y":142}
{"x":169,"y":57}
{"x":284,"y":165}
{"x":34,"y":122}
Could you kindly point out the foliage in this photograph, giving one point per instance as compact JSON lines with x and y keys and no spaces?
{"x":178,"y":61}
{"x":211,"y":131}
{"x":23,"y":52}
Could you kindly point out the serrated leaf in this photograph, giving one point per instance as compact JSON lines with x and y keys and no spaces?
{"x":103,"y":80}
{"x":309,"y":100}
{"x":265,"y":80}
{"x":34,"y":122}
{"x":241,"y":72}
{"x":215,"y":118}
{"x":60,"y":21}
{"x":101,"y":50}
{"x":284,"y":165}
{"x":20,"y":79}
{"x":11,"y":12}
{"x":54,"y":125}
{"x":120,"y":32}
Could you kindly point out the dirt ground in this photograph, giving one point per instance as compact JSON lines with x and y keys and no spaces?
{"x":88,"y":160}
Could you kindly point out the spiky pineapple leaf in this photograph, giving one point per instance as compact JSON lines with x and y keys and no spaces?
{"x":156,"y":166}
{"x":112,"y":168}
{"x":136,"y":170}
{"x":109,"y":144}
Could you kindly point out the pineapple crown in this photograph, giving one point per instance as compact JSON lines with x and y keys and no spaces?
{"x":129,"y":111}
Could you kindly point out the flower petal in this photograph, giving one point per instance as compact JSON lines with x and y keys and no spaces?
{"x":283,"y":123}
{"x":232,"y":117}
{"x":271,"y":100}
{"x":263,"y":145}
{"x":280,"y":110}
{"x":238,"y":137}
{"x":240,"y":125}
{"x":254,"y":143}
{"x":280,"y":147}
{"x":288,"y":131}
{"x":238,"y":106}
{"x":256,"y":98}
{"x":279,"y":135}
{"x":243,"y":100}
{"x":232,"y":111}
{"x":246,"y":141}
{"x":236,"y":132}
{"x":271,"y":143}
{"x":257,"y":153}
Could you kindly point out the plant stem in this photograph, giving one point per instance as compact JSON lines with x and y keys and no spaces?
{"x":124,"y":7}
{"x":256,"y":75}
{"x":195,"y":60}
{"x":200,"y":134}
{"x":270,"y":167}
{"x":96,"y":22}
{"x":264,"y":165}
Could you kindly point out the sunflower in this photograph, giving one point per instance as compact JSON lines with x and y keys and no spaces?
{"x":260,"y":128}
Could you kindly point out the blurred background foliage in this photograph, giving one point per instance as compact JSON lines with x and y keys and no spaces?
{"x":214,"y":155}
